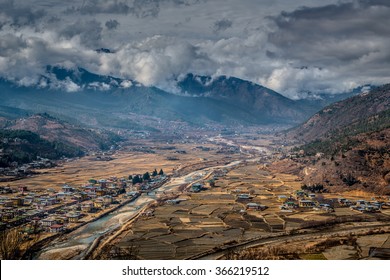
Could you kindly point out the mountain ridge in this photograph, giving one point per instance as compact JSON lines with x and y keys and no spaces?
{"x":342,"y":114}
{"x":113,"y":102}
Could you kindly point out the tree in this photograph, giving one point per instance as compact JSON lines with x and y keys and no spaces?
{"x":161,"y":172}
{"x":130,"y":177}
{"x":136,"y":179}
{"x":92,"y":181}
{"x":146,"y":176}
{"x":154,"y":174}
{"x":350,"y":180}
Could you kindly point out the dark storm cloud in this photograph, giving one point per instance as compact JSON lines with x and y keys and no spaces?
{"x":151,"y":8}
{"x":19,"y":15}
{"x":89,"y":32}
{"x":146,"y":8}
{"x":222,"y":25}
{"x":139,"y":8}
{"x":101,"y":7}
{"x":112,"y":24}
{"x":340,"y":46}
{"x":334,"y":33}
{"x":9,"y":44}
{"x":375,"y":3}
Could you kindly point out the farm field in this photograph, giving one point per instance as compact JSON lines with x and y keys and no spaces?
{"x":215,"y":218}
{"x":123,"y":163}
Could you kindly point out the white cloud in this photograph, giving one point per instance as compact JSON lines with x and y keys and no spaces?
{"x":126,"y":84}
{"x":99,"y":86}
{"x":66,"y":85}
{"x":291,"y":81}
{"x":152,"y":61}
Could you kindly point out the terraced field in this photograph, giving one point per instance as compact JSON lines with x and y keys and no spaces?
{"x":216,"y":217}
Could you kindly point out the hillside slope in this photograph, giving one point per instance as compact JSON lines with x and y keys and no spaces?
{"x":20,"y":146}
{"x":340,"y":116}
{"x":55,"y":130}
{"x":364,"y":164}
{"x":352,"y":153}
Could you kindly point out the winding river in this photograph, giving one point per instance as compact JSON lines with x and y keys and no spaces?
{"x":77,"y":243}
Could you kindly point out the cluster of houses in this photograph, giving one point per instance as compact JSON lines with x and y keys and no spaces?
{"x":52,"y":211}
{"x":362,"y":205}
{"x":299,"y":199}
{"x":302,"y":199}
{"x":245,"y":198}
{"x":20,"y":170}
{"x":255,"y":206}
{"x":228,"y":150}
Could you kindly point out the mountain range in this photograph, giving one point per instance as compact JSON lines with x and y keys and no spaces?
{"x":79,"y":96}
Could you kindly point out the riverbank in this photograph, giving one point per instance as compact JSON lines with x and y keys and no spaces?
{"x":179,"y":186}
{"x":100,"y":243}
{"x":30,"y":253}
{"x":100,"y":228}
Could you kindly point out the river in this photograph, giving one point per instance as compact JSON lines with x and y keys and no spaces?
{"x":76,"y":244}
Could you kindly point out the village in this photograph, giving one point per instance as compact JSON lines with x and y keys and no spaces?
{"x":16,"y":170}
{"x":46,"y":211}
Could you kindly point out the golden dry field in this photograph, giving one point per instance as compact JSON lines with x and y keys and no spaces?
{"x":123,"y":163}
{"x":215,"y":218}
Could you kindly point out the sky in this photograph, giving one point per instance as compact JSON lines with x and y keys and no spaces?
{"x":292,"y":47}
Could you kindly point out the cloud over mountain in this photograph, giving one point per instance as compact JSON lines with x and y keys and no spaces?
{"x":290,"y":46}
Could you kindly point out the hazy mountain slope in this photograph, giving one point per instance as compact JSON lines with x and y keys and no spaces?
{"x":55,"y":130}
{"x":321,"y":100}
{"x":341,"y":115}
{"x":22,"y":146}
{"x":24,"y":139}
{"x":104,"y":101}
{"x":113,"y":108}
{"x":261,"y":101}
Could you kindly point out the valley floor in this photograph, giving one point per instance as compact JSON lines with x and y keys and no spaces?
{"x":239,"y":205}
{"x":213,"y":224}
